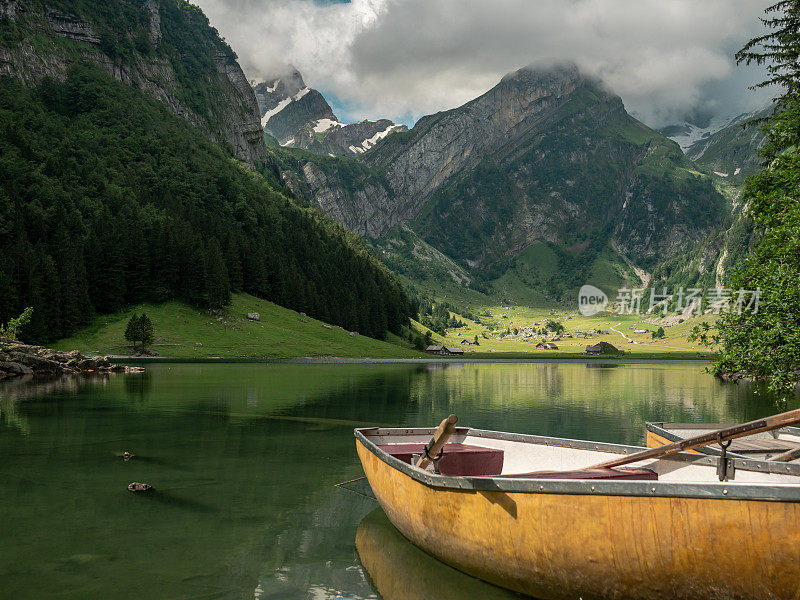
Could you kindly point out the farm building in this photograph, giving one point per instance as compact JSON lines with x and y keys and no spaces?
{"x":444,"y":351}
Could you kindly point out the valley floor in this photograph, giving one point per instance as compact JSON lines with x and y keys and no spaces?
{"x":511,"y":332}
{"x":184,"y":332}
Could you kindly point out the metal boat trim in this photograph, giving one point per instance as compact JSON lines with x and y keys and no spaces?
{"x":753,"y":464}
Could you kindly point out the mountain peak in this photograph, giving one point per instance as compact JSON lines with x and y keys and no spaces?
{"x":536,"y":74}
{"x":299,"y":116}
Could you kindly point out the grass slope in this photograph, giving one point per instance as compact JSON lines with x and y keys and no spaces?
{"x":183,"y":332}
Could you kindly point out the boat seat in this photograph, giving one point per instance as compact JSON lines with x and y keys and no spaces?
{"x":620,"y":473}
{"x":458,"y":460}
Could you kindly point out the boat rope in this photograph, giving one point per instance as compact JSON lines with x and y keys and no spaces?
{"x":343,"y":485}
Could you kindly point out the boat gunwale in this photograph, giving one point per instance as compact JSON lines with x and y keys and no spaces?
{"x":728,"y":490}
{"x":659,"y":428}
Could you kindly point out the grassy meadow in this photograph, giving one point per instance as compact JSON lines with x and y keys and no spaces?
{"x":185,"y":332}
{"x":494,"y":342}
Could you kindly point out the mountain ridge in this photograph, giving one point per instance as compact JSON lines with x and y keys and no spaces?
{"x":543,"y":157}
{"x":299,"y":117}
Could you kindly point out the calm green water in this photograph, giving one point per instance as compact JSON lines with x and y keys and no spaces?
{"x":244,"y":459}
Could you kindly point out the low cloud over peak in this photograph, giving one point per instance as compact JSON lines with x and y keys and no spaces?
{"x":668,"y":61}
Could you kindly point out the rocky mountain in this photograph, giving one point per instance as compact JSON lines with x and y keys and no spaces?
{"x":547,"y":160}
{"x":733,"y":151}
{"x":300,"y":117}
{"x":143,"y":45}
{"x":287,"y":104}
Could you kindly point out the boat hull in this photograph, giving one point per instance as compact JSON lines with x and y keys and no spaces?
{"x":566,"y":546}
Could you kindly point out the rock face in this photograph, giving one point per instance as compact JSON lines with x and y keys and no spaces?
{"x":286,"y":105}
{"x":240,"y":128}
{"x":231,"y":119}
{"x":300,"y":117}
{"x":18,"y":359}
{"x":448,"y":143}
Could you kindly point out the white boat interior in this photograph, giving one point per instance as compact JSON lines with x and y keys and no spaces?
{"x":480,"y":453}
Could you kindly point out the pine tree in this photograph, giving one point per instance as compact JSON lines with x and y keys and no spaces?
{"x":218,"y":288}
{"x":146,"y":331}
{"x":132,"y":330}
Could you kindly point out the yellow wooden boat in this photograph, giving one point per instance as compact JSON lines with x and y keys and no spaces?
{"x":519,"y":511}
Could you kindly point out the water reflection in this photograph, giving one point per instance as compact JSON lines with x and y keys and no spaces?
{"x":401,"y":571}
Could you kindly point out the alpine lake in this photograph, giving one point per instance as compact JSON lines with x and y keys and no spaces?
{"x":244,"y":459}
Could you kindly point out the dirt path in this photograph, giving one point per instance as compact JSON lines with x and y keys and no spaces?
{"x":622,"y":334}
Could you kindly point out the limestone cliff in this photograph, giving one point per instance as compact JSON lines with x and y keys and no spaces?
{"x":164,"y":47}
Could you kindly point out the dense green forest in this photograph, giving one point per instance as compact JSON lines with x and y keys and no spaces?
{"x":107,"y":200}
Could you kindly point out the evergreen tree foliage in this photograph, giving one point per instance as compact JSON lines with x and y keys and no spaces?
{"x":146,"y":331}
{"x":132,"y":330}
{"x":766,"y":344}
{"x":107,"y":200}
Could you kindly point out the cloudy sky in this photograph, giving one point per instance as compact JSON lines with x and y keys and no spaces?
{"x":402,"y":59}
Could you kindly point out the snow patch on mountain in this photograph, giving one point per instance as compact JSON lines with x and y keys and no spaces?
{"x":325,"y":124}
{"x":686,"y":134}
{"x":370,"y":142}
{"x":274,"y":111}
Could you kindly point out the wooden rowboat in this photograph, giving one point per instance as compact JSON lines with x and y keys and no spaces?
{"x":779,"y":444}
{"x":521,"y":512}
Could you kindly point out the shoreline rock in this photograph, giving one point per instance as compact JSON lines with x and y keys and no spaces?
{"x":18,"y":359}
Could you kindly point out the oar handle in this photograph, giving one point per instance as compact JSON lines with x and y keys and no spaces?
{"x":446,"y":429}
{"x":722,"y":435}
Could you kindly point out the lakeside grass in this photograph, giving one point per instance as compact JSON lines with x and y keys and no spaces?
{"x":184,"y":332}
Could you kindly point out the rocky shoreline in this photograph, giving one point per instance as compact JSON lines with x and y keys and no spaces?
{"x":18,"y":359}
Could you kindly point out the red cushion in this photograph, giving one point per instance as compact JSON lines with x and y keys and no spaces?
{"x":619,"y":473}
{"x":457,"y":460}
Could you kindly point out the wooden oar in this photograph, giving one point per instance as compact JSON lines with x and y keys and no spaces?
{"x":443,"y":432}
{"x":722,"y":435}
{"x":787,"y":456}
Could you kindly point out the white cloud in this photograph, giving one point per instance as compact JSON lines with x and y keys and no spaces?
{"x":389,"y":58}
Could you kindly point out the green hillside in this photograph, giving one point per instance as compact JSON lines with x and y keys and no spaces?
{"x":108,"y":199}
{"x":183,"y":331}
